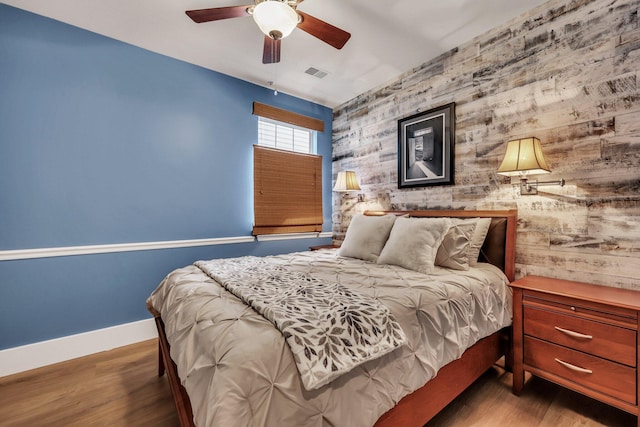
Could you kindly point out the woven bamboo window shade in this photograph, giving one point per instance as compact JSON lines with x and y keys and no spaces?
{"x":287,"y":191}
{"x":285,"y":116}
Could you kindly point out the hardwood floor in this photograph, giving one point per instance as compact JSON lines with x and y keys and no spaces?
{"x":114,"y":388}
{"x":489,"y":403}
{"x":121,"y":388}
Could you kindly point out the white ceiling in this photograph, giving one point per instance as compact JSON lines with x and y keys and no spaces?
{"x":387,"y":37}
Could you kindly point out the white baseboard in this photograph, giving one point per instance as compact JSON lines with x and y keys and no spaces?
{"x":31,"y":356}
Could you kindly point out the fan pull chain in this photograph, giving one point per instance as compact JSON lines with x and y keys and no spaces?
{"x":271,"y":84}
{"x":275,"y":79}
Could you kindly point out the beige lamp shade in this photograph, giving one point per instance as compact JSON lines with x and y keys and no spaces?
{"x":346,"y":181}
{"x":523,"y":157}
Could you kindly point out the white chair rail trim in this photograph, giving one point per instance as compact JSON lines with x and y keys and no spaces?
{"x":19,"y":254}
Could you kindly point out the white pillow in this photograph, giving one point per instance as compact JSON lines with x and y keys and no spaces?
{"x":480,"y":233}
{"x":477,"y":240}
{"x":413,"y":243}
{"x":366,"y":236}
{"x":454,"y":250}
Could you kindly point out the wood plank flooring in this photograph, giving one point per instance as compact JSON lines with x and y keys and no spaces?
{"x":121,"y":388}
{"x":490,"y":403}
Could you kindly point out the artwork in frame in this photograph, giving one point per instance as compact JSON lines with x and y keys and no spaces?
{"x":426,"y":147}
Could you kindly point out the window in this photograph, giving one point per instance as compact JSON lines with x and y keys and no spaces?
{"x":284,"y":136}
{"x":287,"y":179}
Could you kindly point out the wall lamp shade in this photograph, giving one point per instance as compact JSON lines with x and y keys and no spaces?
{"x":524,"y":157}
{"x":275,"y":18}
{"x":346,"y":181}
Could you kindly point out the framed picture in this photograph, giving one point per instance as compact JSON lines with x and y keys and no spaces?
{"x":426,"y":148}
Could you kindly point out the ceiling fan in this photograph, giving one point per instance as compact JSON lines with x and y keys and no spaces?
{"x":276,"y":19}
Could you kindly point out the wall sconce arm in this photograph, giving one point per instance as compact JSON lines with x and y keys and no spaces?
{"x":529,"y":188}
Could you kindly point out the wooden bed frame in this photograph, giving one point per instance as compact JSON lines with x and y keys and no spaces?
{"x":419,"y":407}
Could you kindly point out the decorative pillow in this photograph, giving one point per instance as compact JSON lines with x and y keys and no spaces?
{"x":454,"y":250}
{"x":413,"y":243}
{"x":366,"y":236}
{"x":477,"y":240}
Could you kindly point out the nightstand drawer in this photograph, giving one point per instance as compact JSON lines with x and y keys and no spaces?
{"x":598,"y":374}
{"x":585,"y":309}
{"x":600,"y":339}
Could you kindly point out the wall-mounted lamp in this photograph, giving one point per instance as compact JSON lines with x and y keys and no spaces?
{"x":524,"y":157}
{"x":346,"y":181}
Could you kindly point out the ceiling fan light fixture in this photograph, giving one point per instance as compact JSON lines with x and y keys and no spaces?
{"x":275,"y":18}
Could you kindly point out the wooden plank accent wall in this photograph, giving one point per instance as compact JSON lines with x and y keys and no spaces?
{"x":565,"y":72}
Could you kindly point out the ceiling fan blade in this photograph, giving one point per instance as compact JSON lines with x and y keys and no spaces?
{"x":271,"y":51}
{"x":217,"y":13}
{"x":324,"y":31}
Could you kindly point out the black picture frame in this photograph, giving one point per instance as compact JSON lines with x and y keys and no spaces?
{"x":426,"y":147}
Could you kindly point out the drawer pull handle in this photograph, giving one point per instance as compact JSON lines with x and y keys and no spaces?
{"x":573,"y":367}
{"x":574,"y":334}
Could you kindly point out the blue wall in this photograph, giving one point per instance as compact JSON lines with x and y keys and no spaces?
{"x":103,"y":142}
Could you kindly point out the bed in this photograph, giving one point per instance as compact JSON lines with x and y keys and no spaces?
{"x":217,"y":377}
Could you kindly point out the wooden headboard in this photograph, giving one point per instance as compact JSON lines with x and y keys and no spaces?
{"x":499,"y":247}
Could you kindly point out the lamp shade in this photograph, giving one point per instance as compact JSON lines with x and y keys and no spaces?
{"x":346,"y":181}
{"x":523,"y":157}
{"x":275,"y":18}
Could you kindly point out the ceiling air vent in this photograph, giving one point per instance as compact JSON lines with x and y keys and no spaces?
{"x":316,"y":73}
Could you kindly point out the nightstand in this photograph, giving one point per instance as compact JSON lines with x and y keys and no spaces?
{"x":580,"y":336}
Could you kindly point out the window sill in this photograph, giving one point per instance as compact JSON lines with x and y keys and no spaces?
{"x":290,"y":236}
